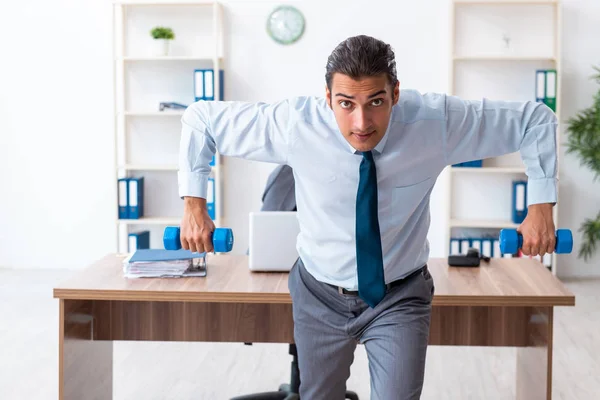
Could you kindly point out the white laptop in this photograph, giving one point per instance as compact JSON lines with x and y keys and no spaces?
{"x":272,"y":244}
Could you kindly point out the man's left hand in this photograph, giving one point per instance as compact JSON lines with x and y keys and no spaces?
{"x":537,"y":229}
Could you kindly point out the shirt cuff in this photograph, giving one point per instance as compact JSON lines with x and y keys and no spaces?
{"x":541,"y":191}
{"x":192,"y":184}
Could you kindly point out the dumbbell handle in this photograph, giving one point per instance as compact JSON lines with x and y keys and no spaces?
{"x":511,"y":241}
{"x":222,"y":239}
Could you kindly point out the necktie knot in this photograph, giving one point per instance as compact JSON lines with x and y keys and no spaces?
{"x":368,"y":155}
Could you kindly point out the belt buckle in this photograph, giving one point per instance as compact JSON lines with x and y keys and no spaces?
{"x":340,"y":290}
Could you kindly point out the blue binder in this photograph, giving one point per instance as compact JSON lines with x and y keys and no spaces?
{"x":139,"y":240}
{"x":472,"y":164}
{"x":486,"y":247}
{"x":136,"y":197}
{"x":210,"y":198}
{"x":519,"y":201}
{"x":540,"y":85}
{"x":454,"y":246}
{"x":123,"y":197}
{"x":212,"y":162}
{"x":204,"y":84}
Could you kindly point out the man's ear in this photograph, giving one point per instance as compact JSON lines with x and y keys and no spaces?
{"x":328,"y":96}
{"x":396,"y":92}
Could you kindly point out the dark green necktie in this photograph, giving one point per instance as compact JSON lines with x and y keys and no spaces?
{"x":369,"y":256}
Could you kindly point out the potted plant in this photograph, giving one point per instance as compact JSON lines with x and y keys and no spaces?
{"x":162,"y":37}
{"x":584,"y":141}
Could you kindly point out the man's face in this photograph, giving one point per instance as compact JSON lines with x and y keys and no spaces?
{"x":362,"y":108}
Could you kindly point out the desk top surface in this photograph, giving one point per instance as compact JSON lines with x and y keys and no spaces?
{"x":501,"y":282}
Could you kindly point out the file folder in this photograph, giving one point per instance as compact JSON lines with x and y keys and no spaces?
{"x":454,"y":246}
{"x":486,"y":247}
{"x":139,"y":240}
{"x":496,"y":248}
{"x":199,"y":84}
{"x":210,"y":198}
{"x":204,"y":83}
{"x":540,"y":85}
{"x":136,"y":198}
{"x":519,"y":201}
{"x":464,"y":246}
{"x":476,"y":244}
{"x":550,"y":97}
{"x":123,"y":194}
{"x":547,"y":260}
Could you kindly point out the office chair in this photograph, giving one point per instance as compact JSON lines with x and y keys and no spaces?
{"x":288,"y":391}
{"x":279,"y":195}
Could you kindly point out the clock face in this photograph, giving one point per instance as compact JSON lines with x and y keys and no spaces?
{"x":285,"y":24}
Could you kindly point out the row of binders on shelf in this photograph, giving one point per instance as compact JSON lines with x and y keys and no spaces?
{"x":489,"y":247}
{"x":131,"y":198}
{"x":545,"y":87}
{"x":204,"y":89}
{"x":204,"y":84}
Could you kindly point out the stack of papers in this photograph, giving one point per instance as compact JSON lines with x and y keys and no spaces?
{"x":157,"y":263}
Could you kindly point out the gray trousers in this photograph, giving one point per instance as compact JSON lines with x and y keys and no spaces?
{"x":328,"y":325}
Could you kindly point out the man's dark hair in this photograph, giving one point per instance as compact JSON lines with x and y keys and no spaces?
{"x":361,"y":56}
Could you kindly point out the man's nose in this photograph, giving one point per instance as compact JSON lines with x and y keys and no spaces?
{"x":362,"y":122}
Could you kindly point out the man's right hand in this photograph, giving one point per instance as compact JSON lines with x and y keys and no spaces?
{"x":196,"y":226}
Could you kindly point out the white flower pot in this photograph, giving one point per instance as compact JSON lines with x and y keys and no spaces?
{"x":161,"y":47}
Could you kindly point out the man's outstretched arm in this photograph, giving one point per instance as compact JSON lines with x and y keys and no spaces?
{"x":254,"y":131}
{"x":481,"y":129}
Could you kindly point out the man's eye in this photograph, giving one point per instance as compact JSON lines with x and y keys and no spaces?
{"x":377,"y":102}
{"x":345,"y":104}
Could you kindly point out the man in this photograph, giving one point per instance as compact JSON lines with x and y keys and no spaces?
{"x":365,"y":159}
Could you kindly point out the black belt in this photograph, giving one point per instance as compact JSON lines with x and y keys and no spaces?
{"x":388,"y":286}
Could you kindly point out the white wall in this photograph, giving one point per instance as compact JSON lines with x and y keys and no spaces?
{"x":56,"y":126}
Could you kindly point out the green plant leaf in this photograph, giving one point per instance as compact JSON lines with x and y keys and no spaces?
{"x":583,"y":131}
{"x":160,"y":32}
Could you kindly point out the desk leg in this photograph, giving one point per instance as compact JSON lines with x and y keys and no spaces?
{"x":534,"y":362}
{"x":85,"y":366}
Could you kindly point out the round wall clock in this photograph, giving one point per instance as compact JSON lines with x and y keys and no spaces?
{"x":285,"y":24}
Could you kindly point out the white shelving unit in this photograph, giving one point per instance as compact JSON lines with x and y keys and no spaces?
{"x":495,"y":48}
{"x":146,"y":139}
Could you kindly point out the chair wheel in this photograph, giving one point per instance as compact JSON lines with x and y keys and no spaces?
{"x":351,"y":396}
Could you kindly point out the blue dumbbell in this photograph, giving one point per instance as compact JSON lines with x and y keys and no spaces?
{"x":222,"y":239}
{"x":511,"y":241}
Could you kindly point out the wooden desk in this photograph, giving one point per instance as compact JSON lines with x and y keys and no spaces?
{"x":508,"y":302}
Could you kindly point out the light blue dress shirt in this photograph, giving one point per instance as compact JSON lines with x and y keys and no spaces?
{"x":426,"y":133}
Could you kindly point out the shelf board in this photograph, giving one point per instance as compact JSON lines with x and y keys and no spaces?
{"x":170,"y":113}
{"x":490,"y":170}
{"x":507,"y":2}
{"x":151,"y":221}
{"x":148,"y":167}
{"x":504,"y":58}
{"x":463,"y":223}
{"x":170,"y":58}
{"x":163,"y":3}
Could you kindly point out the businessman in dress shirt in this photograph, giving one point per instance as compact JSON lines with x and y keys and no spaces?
{"x":365,"y":158}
